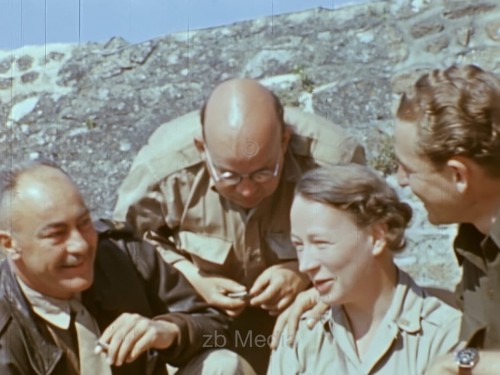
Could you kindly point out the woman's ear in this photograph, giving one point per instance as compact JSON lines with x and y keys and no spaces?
{"x":379,"y":230}
{"x":287,"y":134}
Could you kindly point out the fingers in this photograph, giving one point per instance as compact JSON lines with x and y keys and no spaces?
{"x":284,"y":302}
{"x":228,"y":286}
{"x":278,"y":328}
{"x":227,"y":303}
{"x":130,"y":335}
{"x":290,"y":319}
{"x":121,"y":336}
{"x":315,"y":314}
{"x":291,"y":316}
{"x":267,"y":297}
{"x":235,"y":312}
{"x":292,"y":323}
{"x":261,"y":283}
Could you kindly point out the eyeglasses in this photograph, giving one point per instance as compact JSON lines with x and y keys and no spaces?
{"x":231,"y":179}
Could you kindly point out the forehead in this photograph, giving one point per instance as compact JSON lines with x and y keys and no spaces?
{"x":45,"y":197}
{"x":405,"y":140}
{"x":316,"y":214}
{"x":406,"y":148}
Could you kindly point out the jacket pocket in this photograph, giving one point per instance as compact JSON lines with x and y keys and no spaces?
{"x":209,"y":254}
{"x":281,"y":246}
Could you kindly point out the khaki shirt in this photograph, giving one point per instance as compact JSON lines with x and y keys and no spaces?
{"x":170,"y":197}
{"x":415,"y":330}
{"x":479,"y":290}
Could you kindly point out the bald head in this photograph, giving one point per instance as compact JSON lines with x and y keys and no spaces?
{"x":49,"y":238}
{"x":242,"y":111}
{"x":25,"y":181}
{"x":244,"y":133}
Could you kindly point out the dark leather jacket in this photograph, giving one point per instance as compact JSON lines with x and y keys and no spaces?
{"x":129,"y":276}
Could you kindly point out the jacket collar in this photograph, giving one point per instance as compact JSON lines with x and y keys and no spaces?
{"x":45,"y":358}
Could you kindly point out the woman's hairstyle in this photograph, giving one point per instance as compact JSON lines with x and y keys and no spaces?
{"x":457,"y":113}
{"x":363,"y":194}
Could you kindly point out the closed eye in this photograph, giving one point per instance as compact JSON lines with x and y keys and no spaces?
{"x":85,"y":221}
{"x":323,"y":244}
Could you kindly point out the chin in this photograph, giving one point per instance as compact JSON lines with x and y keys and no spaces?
{"x":435,"y":220}
{"x":249,"y":203}
{"x":78,"y":285}
{"x":329,"y":299}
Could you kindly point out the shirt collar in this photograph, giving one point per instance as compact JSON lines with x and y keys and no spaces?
{"x":407,"y":305}
{"x":495,"y":230}
{"x":405,"y":310}
{"x":53,"y":310}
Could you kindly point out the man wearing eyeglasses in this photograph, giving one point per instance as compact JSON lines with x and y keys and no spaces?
{"x":215,"y":199}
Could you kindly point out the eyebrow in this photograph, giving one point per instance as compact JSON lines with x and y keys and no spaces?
{"x":221,"y":169}
{"x":59,"y":225}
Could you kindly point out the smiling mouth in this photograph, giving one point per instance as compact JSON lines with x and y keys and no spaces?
{"x":323,"y":285}
{"x":76,"y":264}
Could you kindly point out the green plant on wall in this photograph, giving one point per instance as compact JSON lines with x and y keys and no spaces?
{"x":291,"y":97}
{"x":385,"y":160}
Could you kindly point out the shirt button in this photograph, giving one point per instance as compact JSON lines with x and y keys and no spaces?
{"x":254,"y":256}
{"x":403,"y":322}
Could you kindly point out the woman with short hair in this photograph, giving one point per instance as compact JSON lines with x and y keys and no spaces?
{"x":346,"y":224}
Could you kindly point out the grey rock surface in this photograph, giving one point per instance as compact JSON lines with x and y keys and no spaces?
{"x":91,"y":107}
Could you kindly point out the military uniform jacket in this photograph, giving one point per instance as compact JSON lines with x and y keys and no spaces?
{"x":170,"y":197}
{"x":479,"y":290}
{"x":129,"y":276}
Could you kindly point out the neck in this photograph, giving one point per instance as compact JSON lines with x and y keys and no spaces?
{"x":487,"y":206}
{"x":367,"y":312}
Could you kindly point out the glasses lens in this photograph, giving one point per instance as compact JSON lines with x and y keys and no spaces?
{"x":228,"y":178}
{"x":262,"y":176}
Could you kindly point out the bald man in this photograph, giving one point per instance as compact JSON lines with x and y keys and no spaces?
{"x":69,"y":286}
{"x":213,"y":193}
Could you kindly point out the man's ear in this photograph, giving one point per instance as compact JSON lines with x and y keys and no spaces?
{"x":460,"y":173}
{"x":287,"y":134}
{"x":379,"y":230}
{"x":8,"y":245}
{"x":200,"y":145}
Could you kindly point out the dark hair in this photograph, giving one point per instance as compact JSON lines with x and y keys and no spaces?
{"x":457,"y":112}
{"x":361,"y":192}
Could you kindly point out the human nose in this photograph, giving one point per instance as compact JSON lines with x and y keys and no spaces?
{"x":308,"y":263}
{"x":402,"y":176}
{"x":76,"y":242}
{"x":246,"y":187}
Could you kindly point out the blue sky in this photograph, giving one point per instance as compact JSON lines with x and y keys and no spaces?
{"x":29,"y":22}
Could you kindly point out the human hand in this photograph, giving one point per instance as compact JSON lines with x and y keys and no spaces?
{"x":306,"y":303}
{"x":131,"y":334}
{"x":277,"y":286}
{"x":215,"y":290}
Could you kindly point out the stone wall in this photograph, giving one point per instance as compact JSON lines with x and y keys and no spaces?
{"x":92,"y":106}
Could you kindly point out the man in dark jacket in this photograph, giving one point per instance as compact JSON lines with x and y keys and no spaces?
{"x":68,"y":285}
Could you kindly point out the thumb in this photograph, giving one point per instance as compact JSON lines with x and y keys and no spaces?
{"x":231,"y":286}
{"x":259,"y":285}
